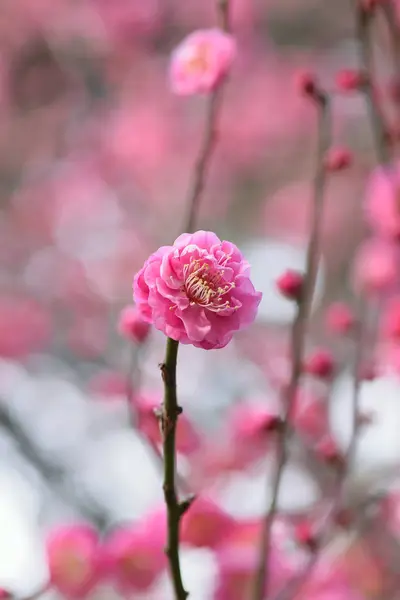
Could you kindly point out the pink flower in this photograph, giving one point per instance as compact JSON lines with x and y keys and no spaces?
{"x":205,"y":524}
{"x":73,"y":560}
{"x":200,"y":61}
{"x":320,"y":363}
{"x":251,"y":430}
{"x":382,"y":203}
{"x":134,"y":557}
{"x":197,"y":291}
{"x":376,"y":266}
{"x":132,"y":326}
{"x":339,"y":318}
{"x":187,"y":438}
{"x":290,"y":284}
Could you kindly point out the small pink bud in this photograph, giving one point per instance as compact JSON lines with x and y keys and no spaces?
{"x":132,"y":326}
{"x":339,"y":318}
{"x":350,"y":80}
{"x":344,"y":518}
{"x":4,"y":594}
{"x":328,"y":451}
{"x":338,"y":159}
{"x":370,"y":5}
{"x":320,"y":363}
{"x":304,"y":534}
{"x":305,"y":83}
{"x":367,"y":372}
{"x":290,"y":284}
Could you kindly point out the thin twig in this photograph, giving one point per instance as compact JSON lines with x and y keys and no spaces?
{"x":298,"y":334}
{"x":377,"y":120}
{"x":210,"y":136}
{"x":363,"y":30}
{"x":170,"y":410}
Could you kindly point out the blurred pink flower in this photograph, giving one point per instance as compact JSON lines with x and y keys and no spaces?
{"x":238,"y":560}
{"x":197,"y":291}
{"x":310,"y":416}
{"x":25,"y":327}
{"x":200,"y":61}
{"x":73,"y":554}
{"x":382,"y":202}
{"x":132,"y":326}
{"x":205,"y":524}
{"x":320,"y":363}
{"x":187,"y":438}
{"x":250,"y":432}
{"x":376,"y":266}
{"x":339,"y":318}
{"x":133,"y":557}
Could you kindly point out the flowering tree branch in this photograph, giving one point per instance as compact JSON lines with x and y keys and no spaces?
{"x":298,"y":334}
{"x":170,"y":409}
{"x":209,"y":140}
{"x":364,"y":18}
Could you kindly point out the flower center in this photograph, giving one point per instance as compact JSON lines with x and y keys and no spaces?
{"x":205,"y":286}
{"x":198,"y":62}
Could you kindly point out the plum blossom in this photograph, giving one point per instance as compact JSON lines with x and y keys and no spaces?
{"x":73,"y":553}
{"x":197,"y":291}
{"x":133,"y":557}
{"x":200,"y":61}
{"x":382,"y":203}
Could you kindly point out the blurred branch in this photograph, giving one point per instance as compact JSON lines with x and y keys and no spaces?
{"x":210,"y":136}
{"x":52,"y":474}
{"x":298,"y":335}
{"x":364,"y":18}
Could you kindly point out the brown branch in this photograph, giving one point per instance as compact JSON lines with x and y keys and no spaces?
{"x":169,"y":420}
{"x":210,"y":136}
{"x":376,"y":117}
{"x":298,"y":334}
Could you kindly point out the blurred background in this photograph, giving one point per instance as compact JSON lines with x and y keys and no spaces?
{"x":95,"y":159}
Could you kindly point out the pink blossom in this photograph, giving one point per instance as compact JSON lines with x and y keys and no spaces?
{"x":290,"y":284}
{"x":376,"y":266}
{"x":338,"y":159}
{"x":187,"y":438}
{"x":197,"y":291}
{"x":339,"y":318}
{"x":238,"y":561}
{"x":251,"y":432}
{"x":320,"y":363}
{"x":310,"y":415}
{"x":205,"y":524}
{"x":132,"y":326}
{"x":73,"y":554}
{"x":382,"y":202}
{"x":201,"y":60}
{"x":133,"y":557}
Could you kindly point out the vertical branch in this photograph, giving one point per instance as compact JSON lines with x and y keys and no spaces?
{"x":210,"y":135}
{"x":170,"y":409}
{"x":363,"y":32}
{"x":169,"y":419}
{"x":298,"y":334}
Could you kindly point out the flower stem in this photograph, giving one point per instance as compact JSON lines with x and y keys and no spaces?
{"x":169,"y":420}
{"x":377,"y":120}
{"x":210,"y":135}
{"x":298,"y":334}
